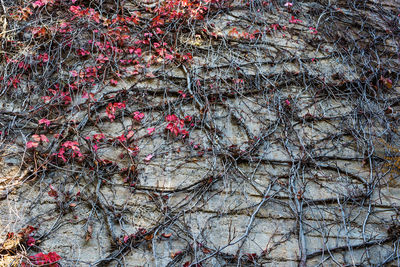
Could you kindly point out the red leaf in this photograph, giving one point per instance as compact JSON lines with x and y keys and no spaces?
{"x":167,"y":235}
{"x":130,"y":134}
{"x":36,"y":137}
{"x":31,"y":241}
{"x":113,"y":82}
{"x":42,"y":259}
{"x":169,"y":56}
{"x":138,"y":52}
{"x":89,"y":233}
{"x":44,"y":121}
{"x":150,"y":130}
{"x":233,"y":32}
{"x":53,"y":192}
{"x":138,"y":116}
{"x":43,"y":138}
{"x":31,"y":144}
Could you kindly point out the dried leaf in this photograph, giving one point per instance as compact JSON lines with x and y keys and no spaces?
{"x":167,"y":235}
{"x":148,"y":237}
{"x":89,"y":233}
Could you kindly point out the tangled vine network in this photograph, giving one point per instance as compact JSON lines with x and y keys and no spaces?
{"x":199,"y":133}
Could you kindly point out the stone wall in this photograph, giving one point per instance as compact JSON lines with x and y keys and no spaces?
{"x":290,"y":161}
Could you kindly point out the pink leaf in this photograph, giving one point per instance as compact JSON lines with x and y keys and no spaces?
{"x":98,"y":137}
{"x":46,"y":99}
{"x":294,"y":20}
{"x":102,"y":59}
{"x":150,"y":75}
{"x":36,"y":137}
{"x":148,"y":158}
{"x":169,"y":56}
{"x":182,"y":93}
{"x":138,"y":52}
{"x":43,"y":138}
{"x":184,"y":133}
{"x":130,"y":134}
{"x":113,"y":82}
{"x":40,"y":3}
{"x":53,"y":192}
{"x":60,"y":154}
{"x":31,"y":241}
{"x":82,"y":52}
{"x":44,"y":121}
{"x":138,"y":116}
{"x":75,"y":9}
{"x":41,"y":259}
{"x":150,"y":130}
{"x":172,"y":117}
{"x":74,"y":73}
{"x":159,"y":31}
{"x":121,"y":138}
{"x":31,"y":144}
{"x":85,"y":95}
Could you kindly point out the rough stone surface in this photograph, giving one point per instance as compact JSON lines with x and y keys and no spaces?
{"x":263,"y":180}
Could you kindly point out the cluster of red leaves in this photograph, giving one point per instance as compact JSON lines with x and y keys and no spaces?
{"x":90,"y":13}
{"x":96,"y":139}
{"x":14,"y":81}
{"x":40,"y":3}
{"x":58,"y":95}
{"x":294,"y":20}
{"x":273,"y":27}
{"x":52,"y":192}
{"x":110,"y":110}
{"x":176,"y":9}
{"x":24,"y":236}
{"x":140,"y":233}
{"x":244,"y":35}
{"x":42,"y":259}
{"x":176,"y":125}
{"x":38,"y":139}
{"x":138,"y":116}
{"x":71,"y":146}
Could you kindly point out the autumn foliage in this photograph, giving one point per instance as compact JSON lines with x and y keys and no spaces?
{"x":74,"y":71}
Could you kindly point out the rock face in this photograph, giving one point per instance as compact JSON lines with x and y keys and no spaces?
{"x":291,"y":155}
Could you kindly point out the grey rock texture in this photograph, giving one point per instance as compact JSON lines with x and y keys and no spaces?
{"x":292,"y":159}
